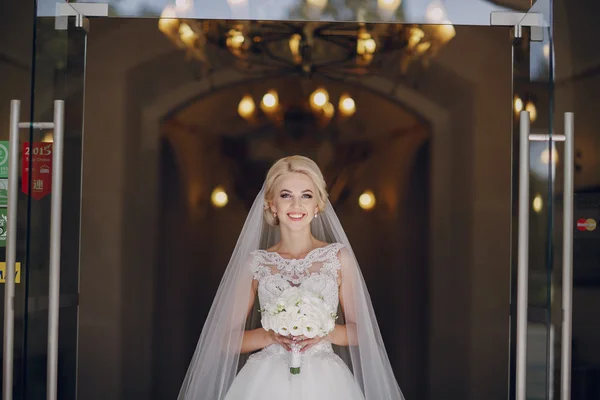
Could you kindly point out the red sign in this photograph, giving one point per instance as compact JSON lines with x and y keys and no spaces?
{"x":41,"y":169}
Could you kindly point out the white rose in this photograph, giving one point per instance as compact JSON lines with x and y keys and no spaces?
{"x":283,"y":330}
{"x":309,"y":331}
{"x":296,"y":329}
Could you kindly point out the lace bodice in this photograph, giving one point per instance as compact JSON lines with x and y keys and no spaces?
{"x":317,"y":272}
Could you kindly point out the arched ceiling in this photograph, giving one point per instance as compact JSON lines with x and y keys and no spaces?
{"x":343,"y":146}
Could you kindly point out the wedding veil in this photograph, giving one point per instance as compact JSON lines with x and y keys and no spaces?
{"x":217,"y":359}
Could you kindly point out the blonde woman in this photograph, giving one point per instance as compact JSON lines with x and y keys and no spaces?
{"x":291,"y":239}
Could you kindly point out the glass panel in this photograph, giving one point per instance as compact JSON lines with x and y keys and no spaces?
{"x":57,"y":74}
{"x":459,"y":12}
{"x":533,"y":92}
{"x":544,"y":9}
{"x":578,"y":91}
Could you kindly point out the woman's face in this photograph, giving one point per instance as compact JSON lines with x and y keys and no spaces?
{"x":294,"y":200}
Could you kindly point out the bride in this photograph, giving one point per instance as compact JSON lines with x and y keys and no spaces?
{"x":291,"y":238}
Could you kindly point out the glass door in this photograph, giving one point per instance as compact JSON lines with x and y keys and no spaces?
{"x":47,"y":246}
{"x":43,"y":217}
{"x":535,"y":328}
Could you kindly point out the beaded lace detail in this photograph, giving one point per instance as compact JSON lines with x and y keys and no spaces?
{"x":317,"y":272}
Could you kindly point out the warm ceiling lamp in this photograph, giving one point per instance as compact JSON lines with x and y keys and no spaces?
{"x":518,"y":104}
{"x":366,"y":201}
{"x":538,"y":203}
{"x":219,"y":197}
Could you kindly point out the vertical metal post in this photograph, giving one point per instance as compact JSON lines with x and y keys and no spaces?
{"x":523,"y":256}
{"x":567,"y":261}
{"x":11,"y":250}
{"x":55,"y":241}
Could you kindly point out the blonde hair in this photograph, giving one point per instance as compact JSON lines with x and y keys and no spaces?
{"x":300,"y":165}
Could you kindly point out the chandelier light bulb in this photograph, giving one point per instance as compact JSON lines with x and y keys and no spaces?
{"x":295,"y":47}
{"x":246,"y":107}
{"x":187,"y":35}
{"x":532,"y":111}
{"x":388,"y":5}
{"x":328,"y":110}
{"x":416,"y":34}
{"x":370,"y":46}
{"x":184,"y":5}
{"x":446,"y":31}
{"x":320,"y":4}
{"x":319,"y":98}
{"x":365,"y":44}
{"x":347,"y":105}
{"x":235,"y":39}
{"x":435,"y":12}
{"x":270,"y":100}
{"x":168,"y":22}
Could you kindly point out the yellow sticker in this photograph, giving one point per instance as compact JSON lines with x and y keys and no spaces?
{"x":3,"y":272}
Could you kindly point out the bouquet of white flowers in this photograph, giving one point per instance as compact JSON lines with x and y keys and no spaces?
{"x":298,"y":312}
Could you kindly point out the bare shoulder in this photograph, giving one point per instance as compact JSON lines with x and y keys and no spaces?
{"x":342,"y":252}
{"x":273,"y":249}
{"x":321,"y":244}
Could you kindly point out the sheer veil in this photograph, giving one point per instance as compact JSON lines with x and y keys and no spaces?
{"x":216,"y":359}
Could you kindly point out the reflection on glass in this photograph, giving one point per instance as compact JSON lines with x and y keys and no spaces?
{"x":461,"y":12}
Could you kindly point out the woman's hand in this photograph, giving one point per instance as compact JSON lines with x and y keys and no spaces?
{"x":284,"y":341}
{"x":308,"y":343}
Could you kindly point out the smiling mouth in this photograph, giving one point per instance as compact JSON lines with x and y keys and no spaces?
{"x":296,"y":216}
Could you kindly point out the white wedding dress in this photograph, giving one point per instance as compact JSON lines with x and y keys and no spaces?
{"x":323,"y":376}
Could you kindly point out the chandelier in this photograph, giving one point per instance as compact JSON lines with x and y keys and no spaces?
{"x":308,"y":47}
{"x":320,"y":104}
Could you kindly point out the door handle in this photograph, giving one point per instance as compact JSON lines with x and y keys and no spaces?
{"x":523,"y":256}
{"x":567,"y":260}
